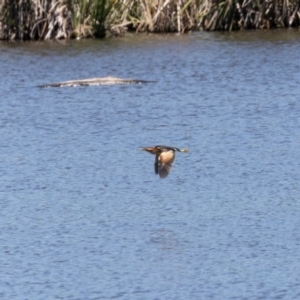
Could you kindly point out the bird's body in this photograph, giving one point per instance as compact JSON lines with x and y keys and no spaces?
{"x":164,"y":157}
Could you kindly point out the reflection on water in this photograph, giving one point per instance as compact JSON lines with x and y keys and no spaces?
{"x":83,"y":215}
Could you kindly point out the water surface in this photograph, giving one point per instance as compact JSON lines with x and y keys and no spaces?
{"x":83,"y":216}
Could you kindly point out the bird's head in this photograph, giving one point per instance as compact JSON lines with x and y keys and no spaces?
{"x":152,"y":150}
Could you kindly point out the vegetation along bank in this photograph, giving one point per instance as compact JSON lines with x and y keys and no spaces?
{"x":67,"y":19}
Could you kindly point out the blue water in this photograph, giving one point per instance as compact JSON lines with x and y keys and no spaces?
{"x":82,"y":214}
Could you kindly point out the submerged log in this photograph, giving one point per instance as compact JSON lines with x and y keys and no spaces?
{"x":96,"y":81}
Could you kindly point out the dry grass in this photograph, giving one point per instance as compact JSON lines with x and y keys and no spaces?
{"x":64,"y":19}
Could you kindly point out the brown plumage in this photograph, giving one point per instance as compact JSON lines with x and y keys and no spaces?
{"x":164,"y":157}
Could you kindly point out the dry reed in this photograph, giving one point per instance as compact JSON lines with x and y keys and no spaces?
{"x":57,"y":19}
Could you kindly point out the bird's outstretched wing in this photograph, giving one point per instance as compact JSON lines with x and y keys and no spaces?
{"x":163,"y":163}
{"x":164,"y":169}
{"x":156,"y":164}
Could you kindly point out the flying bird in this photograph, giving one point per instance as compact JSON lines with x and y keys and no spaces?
{"x":164,"y":157}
